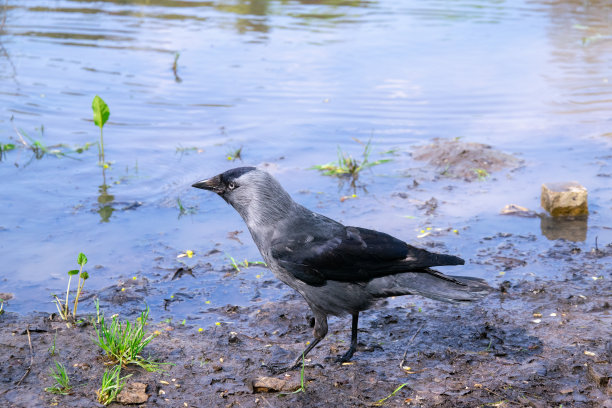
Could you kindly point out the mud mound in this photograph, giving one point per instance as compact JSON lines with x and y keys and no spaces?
{"x":469,"y":161}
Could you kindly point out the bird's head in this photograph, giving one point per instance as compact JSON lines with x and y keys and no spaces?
{"x":255,"y":194}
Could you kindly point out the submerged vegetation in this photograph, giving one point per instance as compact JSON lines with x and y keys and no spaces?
{"x":235,"y":154}
{"x":348,"y":167}
{"x":38,"y":147}
{"x":245,"y":263}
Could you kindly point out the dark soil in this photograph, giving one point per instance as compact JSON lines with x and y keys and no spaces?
{"x":532,"y":344}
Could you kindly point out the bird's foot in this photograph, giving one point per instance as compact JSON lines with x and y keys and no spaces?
{"x":277,"y":368}
{"x":343,"y":358}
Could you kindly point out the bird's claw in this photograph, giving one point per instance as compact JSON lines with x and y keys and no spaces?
{"x":275,"y":368}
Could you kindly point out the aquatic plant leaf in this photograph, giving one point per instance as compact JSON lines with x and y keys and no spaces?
{"x":82,"y":259}
{"x":84,"y":275}
{"x":73,"y":272}
{"x":100,"y":110}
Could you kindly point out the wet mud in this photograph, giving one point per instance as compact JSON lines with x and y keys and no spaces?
{"x":537,"y":343}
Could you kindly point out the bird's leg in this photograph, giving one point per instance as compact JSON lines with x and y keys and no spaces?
{"x":349,"y":353}
{"x":320,"y":330}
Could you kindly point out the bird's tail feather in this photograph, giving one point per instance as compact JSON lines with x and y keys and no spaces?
{"x":434,"y":285}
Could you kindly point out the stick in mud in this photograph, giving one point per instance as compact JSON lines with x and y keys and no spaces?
{"x":31,"y":358}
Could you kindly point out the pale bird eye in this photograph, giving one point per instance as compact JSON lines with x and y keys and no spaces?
{"x":231,"y":186}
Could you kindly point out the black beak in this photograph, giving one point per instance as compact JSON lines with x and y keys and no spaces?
{"x":212,"y":184}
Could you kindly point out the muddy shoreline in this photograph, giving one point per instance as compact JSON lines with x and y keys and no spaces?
{"x":537,"y":343}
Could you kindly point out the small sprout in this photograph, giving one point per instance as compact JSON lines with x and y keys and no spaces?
{"x":200,"y":329}
{"x":63,"y":308}
{"x":123,"y":289}
{"x":112,"y":384}
{"x":380,"y":402}
{"x":217,"y":323}
{"x":101,"y":114}
{"x":482,"y":174}
{"x":184,"y":321}
{"x":235,"y":154}
{"x":207,"y":302}
{"x":346,"y":166}
{"x":62,"y":382}
{"x":124,"y":342}
{"x":134,"y":278}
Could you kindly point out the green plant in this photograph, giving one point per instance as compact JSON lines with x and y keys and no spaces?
{"x":244,"y":264}
{"x":235,"y":154}
{"x":5,"y":148}
{"x":184,"y":210}
{"x":63,"y":308}
{"x":482,"y":174}
{"x":1,"y":306}
{"x":380,"y":402}
{"x":177,"y":78}
{"x":101,"y":114}
{"x":62,"y":382}
{"x":302,"y":381}
{"x":112,"y":384}
{"x":40,"y":149}
{"x":347,"y":166}
{"x":124,"y":343}
{"x":52,"y":348}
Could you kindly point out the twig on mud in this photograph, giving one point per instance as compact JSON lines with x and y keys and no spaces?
{"x":31,"y":358}
{"x":406,"y":352}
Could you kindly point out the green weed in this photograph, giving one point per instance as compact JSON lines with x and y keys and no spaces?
{"x":63,"y":308}
{"x":380,"y":402}
{"x":101,"y":113}
{"x":5,"y":148}
{"x":62,"y":382}
{"x":232,"y":155}
{"x":244,"y":264}
{"x":1,"y":306}
{"x":124,"y":343}
{"x":482,"y":174}
{"x":184,"y":210}
{"x":112,"y":384}
{"x":52,"y":349}
{"x":347,"y":166}
{"x":177,"y":78}
{"x":40,"y":149}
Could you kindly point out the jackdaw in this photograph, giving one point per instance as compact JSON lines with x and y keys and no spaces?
{"x":338,"y":270}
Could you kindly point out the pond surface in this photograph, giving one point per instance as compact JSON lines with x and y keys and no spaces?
{"x":288,"y":82}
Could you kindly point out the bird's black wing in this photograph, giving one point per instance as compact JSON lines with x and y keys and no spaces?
{"x":351,"y":254}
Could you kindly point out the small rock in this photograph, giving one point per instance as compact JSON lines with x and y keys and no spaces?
{"x":233,"y":338}
{"x":564,"y":199}
{"x":133,"y":393}
{"x":514,"y":209}
{"x":271,"y":384}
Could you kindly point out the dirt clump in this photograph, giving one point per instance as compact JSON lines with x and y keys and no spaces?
{"x":464,"y":160}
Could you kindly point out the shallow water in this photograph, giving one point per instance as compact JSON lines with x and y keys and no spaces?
{"x":288,"y":82}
